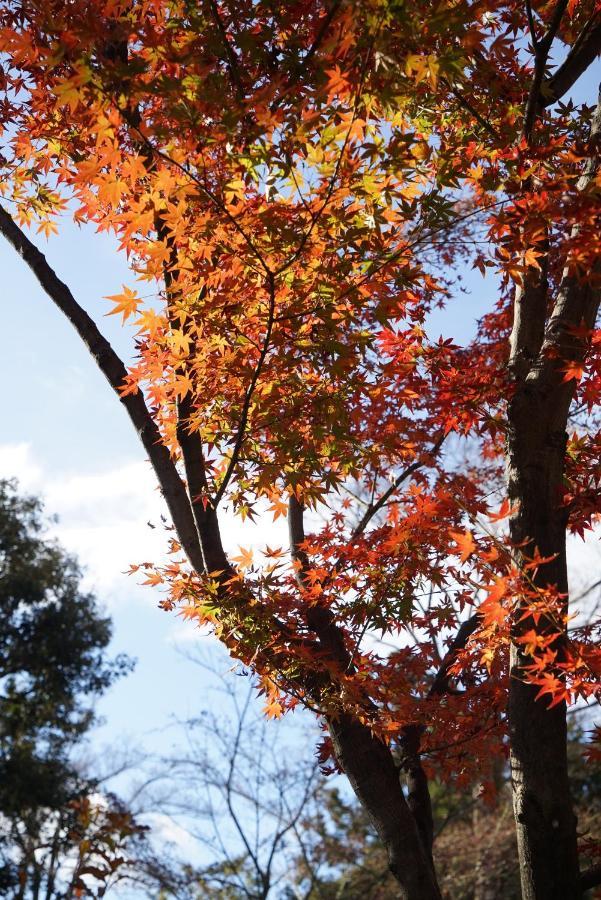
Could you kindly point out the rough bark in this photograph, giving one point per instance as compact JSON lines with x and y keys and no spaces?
{"x":545,"y":822}
{"x":374,"y":777}
{"x":537,"y":421}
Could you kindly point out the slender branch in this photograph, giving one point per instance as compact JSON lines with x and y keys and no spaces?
{"x":232,"y":59}
{"x":115,"y":372}
{"x":204,"y":513}
{"x":161,"y":154}
{"x":249,"y":393}
{"x":405,"y":474}
{"x":462,"y":99}
{"x":228,"y":790}
{"x":417,"y":781}
{"x":440,"y":685}
{"x":320,"y":618}
{"x":531,"y":25}
{"x":296,"y":531}
{"x":587,"y":591}
{"x":330,"y":190}
{"x":323,"y":30}
{"x":576,"y":302}
{"x":549,"y":36}
{"x":542,"y":50}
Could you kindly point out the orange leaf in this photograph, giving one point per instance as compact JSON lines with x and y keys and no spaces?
{"x":126,"y":304}
{"x":244,"y":559}
{"x":465,"y":543}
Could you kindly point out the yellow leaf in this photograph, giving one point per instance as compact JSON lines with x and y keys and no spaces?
{"x":47,"y":227}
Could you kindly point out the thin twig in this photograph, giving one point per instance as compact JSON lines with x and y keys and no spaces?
{"x":232,"y":59}
{"x":471,"y":108}
{"x":531,"y":25}
{"x":249,"y":393}
{"x":405,"y":474}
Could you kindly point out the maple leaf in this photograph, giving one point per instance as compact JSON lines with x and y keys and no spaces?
{"x":573,"y":371}
{"x":278,"y":508}
{"x":465,"y":543}
{"x":492,"y":610}
{"x":47,"y":227}
{"x":531,"y":641}
{"x":153,"y":579}
{"x":503,"y":511}
{"x":126,"y":304}
{"x":337,"y":82}
{"x":273,"y":709}
{"x":244,"y":558}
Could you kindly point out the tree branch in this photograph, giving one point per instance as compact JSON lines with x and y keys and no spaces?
{"x":232,"y":59}
{"x":440,"y":685}
{"x":298,"y":71}
{"x":374,"y":508}
{"x":418,"y":796}
{"x":531,"y":25}
{"x":576,"y":302}
{"x":319,"y":618}
{"x":115,"y":372}
{"x":203,"y":509}
{"x":463,"y":101}
{"x":541,"y":55}
{"x":583,"y":52}
{"x":249,"y":394}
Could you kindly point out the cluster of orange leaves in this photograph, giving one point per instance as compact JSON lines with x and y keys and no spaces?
{"x":293,"y":205}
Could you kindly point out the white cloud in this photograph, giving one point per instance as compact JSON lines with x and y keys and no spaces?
{"x":102,"y":516}
{"x":166,"y":831}
{"x":17,"y":461}
{"x":112,"y":518}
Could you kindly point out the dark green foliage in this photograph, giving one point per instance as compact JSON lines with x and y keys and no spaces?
{"x":53,"y":641}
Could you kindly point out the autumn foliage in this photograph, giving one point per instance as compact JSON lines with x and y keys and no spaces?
{"x":299,"y":187}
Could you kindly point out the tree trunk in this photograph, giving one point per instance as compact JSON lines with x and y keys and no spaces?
{"x":545,"y":821}
{"x":536,"y":446}
{"x":374,"y":777}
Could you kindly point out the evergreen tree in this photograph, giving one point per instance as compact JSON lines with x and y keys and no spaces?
{"x":53,"y":664}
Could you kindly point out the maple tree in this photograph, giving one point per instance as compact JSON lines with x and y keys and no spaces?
{"x":299,"y":185}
